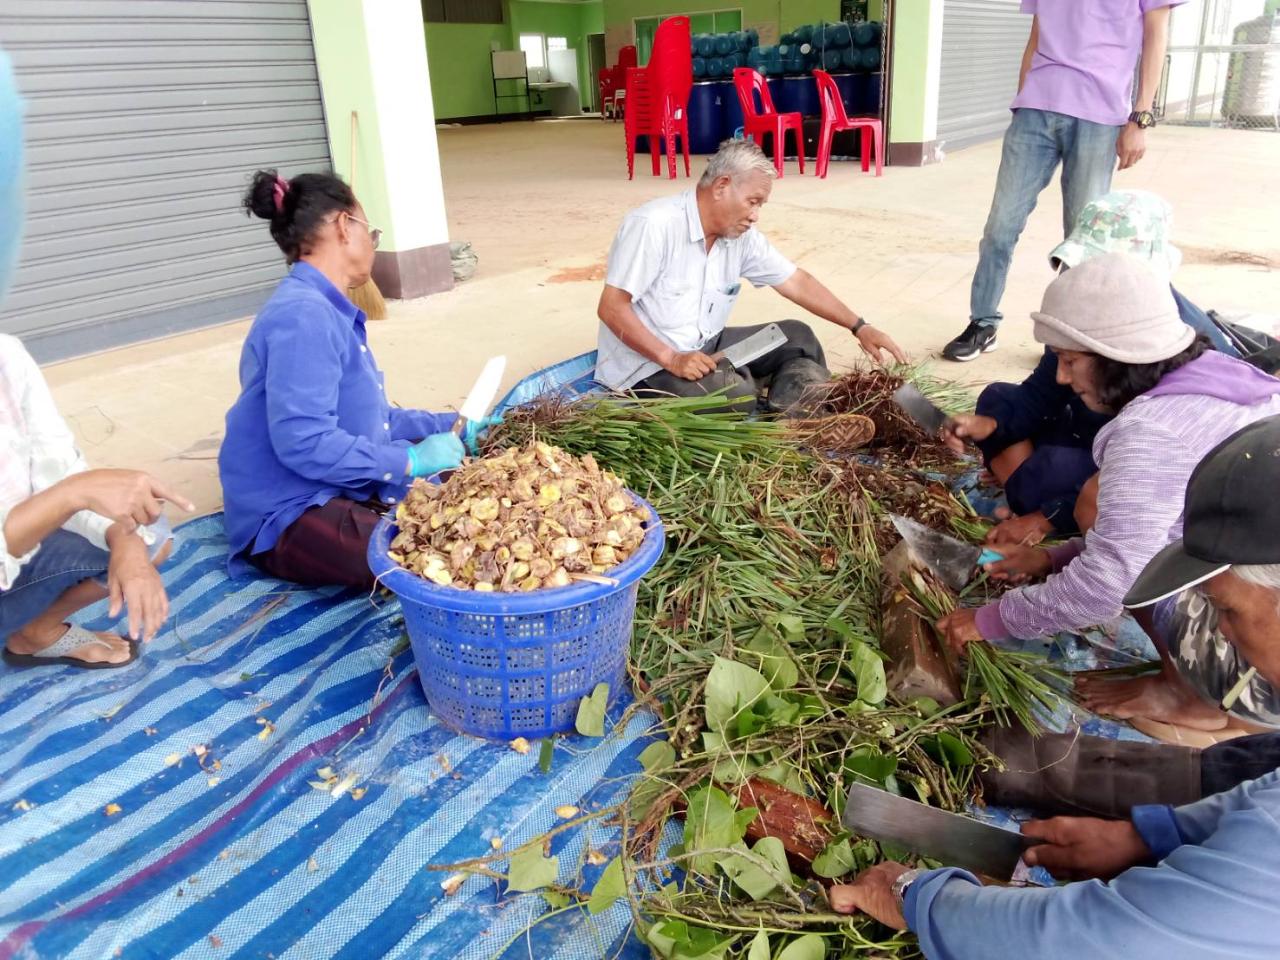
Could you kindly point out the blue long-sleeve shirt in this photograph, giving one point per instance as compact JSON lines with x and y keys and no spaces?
{"x":312,"y":421}
{"x":1213,"y":894}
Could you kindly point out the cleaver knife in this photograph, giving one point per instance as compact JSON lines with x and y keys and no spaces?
{"x":754,"y":347}
{"x":954,"y":561}
{"x":920,"y":408}
{"x":954,"y":839}
{"x":480,"y":399}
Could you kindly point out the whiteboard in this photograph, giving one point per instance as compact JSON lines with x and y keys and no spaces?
{"x":508,"y":65}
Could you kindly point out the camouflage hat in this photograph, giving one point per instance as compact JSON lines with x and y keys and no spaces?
{"x":1124,"y":221}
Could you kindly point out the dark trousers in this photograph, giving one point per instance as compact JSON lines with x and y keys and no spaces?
{"x":788,"y":371}
{"x":1065,"y":774}
{"x":1062,"y":461}
{"x":325,"y":547}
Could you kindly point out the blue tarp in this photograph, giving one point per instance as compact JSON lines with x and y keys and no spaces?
{"x":234,"y":853}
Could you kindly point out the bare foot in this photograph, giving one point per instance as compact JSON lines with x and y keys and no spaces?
{"x":112,"y":649}
{"x":1153,"y":698}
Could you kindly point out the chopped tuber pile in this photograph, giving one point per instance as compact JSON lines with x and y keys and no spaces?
{"x":518,"y":520}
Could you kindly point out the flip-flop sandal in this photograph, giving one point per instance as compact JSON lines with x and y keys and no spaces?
{"x":61,"y":650}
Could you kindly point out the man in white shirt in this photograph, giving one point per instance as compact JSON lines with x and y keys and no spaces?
{"x":69,"y":536}
{"x":674,"y":274}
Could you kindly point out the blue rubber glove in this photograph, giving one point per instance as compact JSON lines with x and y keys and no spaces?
{"x":472,"y":431}
{"x":440,"y":451}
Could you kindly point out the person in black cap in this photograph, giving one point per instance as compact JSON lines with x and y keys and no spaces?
{"x":1227,"y":563}
{"x":1200,"y":880}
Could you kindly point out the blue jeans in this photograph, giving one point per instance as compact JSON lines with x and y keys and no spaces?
{"x":64,"y":560}
{"x":1034,"y":144}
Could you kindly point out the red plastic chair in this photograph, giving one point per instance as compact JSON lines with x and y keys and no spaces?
{"x":756,"y":122}
{"x":671,"y":68}
{"x":656,"y":97}
{"x":627,"y":57}
{"x":834,"y":119}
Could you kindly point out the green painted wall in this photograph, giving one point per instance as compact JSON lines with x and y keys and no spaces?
{"x":342,"y":60}
{"x":573,"y":21}
{"x":910,"y":65}
{"x":458,"y":61}
{"x":795,"y":13}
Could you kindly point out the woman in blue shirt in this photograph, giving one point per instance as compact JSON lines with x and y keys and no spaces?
{"x":314,"y":452}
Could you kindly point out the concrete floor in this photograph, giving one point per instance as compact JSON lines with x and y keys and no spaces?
{"x":540,"y":203}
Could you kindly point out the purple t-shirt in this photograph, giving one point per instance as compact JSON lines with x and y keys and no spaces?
{"x":1083,"y":65}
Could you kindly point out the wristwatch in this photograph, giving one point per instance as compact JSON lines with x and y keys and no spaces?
{"x":899,"y":888}
{"x":862,"y":322}
{"x":1145,"y":119}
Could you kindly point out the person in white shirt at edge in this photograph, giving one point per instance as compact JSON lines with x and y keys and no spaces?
{"x":673,"y":277}
{"x":69,"y":536}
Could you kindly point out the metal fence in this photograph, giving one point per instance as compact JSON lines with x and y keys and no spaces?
{"x":1223,"y":66}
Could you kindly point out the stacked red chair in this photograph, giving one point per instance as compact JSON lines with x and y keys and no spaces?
{"x":835,"y":119}
{"x":759,"y":120}
{"x":657,"y":97}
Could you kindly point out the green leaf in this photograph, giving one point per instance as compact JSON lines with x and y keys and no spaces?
{"x":835,"y":860}
{"x":809,"y":947}
{"x":753,"y":879}
{"x":711,"y":822}
{"x":676,"y":940}
{"x":868,"y":672}
{"x":759,"y":949}
{"x":530,"y":870}
{"x":871,"y":765}
{"x":731,"y":688}
{"x":657,"y":756}
{"x":555,"y":900}
{"x":545,"y":753}
{"x":773,"y":658}
{"x":611,"y":886}
{"x":949,"y":749}
{"x":590,"y":722}
{"x":789,"y":627}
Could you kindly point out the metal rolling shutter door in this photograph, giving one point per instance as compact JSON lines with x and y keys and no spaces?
{"x":982,"y":44}
{"x":144,"y":120}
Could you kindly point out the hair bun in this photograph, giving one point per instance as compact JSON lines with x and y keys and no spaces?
{"x":261,"y":198}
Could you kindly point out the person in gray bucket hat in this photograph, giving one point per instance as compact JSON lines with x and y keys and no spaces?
{"x":1114,"y":328}
{"x":1036,"y":437}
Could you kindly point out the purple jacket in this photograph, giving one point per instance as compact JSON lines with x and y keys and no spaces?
{"x":1145,"y":458}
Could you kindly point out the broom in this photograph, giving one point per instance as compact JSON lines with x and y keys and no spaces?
{"x":367,"y":296}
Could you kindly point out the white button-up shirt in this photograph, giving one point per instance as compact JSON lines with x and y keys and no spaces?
{"x":681,"y":292}
{"x":36,"y":451}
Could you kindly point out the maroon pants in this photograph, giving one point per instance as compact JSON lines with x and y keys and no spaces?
{"x":326,"y":546}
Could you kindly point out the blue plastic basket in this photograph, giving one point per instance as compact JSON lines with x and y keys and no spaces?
{"x":505,"y":665}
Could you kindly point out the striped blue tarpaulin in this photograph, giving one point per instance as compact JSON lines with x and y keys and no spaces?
{"x":233,"y":853}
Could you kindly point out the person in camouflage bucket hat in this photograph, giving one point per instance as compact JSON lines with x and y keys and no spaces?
{"x":1123,"y":221}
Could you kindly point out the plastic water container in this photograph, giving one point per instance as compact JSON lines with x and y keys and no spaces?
{"x":506,"y":665}
{"x":869,"y":59}
{"x":699,"y":67}
{"x":725,"y":44}
{"x":850,"y":58}
{"x":832,"y":60}
{"x":704,"y":45}
{"x":715,"y":68}
{"x":867,"y":34}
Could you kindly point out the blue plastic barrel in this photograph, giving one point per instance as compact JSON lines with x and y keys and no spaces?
{"x":851,"y":87}
{"x":731,"y":109}
{"x":706,"y":116}
{"x":800,"y":95}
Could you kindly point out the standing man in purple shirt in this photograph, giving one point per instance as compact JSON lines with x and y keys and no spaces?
{"x":1075,"y":107}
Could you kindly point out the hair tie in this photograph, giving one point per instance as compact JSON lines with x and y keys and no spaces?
{"x":278,"y":190}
